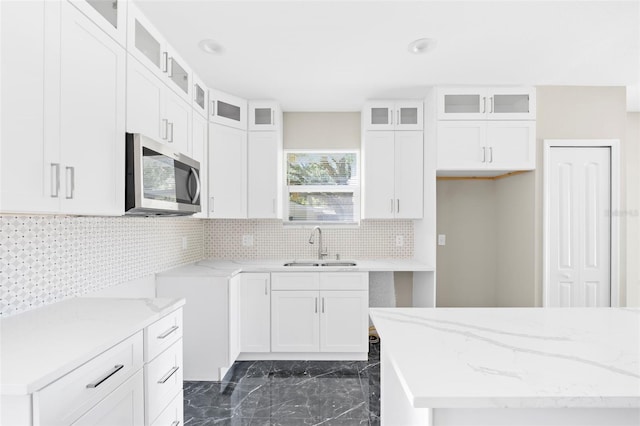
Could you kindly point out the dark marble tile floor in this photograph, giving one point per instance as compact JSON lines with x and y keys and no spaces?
{"x":289,"y":393}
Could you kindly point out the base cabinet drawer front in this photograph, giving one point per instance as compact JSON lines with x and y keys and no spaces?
{"x":295,"y":281}
{"x":344,"y":281}
{"x":68,"y":398}
{"x":122,"y":407}
{"x":172,"y":415}
{"x":162,"y":334}
{"x":163,"y":380}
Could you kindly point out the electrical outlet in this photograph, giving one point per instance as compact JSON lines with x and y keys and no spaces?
{"x":185,"y":243}
{"x":442,"y":240}
{"x":399,"y":240}
{"x":247,"y":240}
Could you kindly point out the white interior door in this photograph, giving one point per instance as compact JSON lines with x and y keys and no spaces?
{"x":579,"y":226}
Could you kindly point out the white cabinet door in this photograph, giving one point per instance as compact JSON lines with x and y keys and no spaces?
{"x":29,"y":159}
{"x":344,"y":321}
{"x":179,"y":75}
{"x":409,"y":115}
{"x":200,"y":96}
{"x":462,"y":103}
{"x":123,"y":407}
{"x":178,"y":114}
{"x":511,"y":145}
{"x":227,"y":172}
{"x":110,"y":16}
{"x":294,"y":321}
{"x":511,"y":103}
{"x":234,"y":319}
{"x":145,"y":43}
{"x":255,"y":312}
{"x":145,"y":102}
{"x":264,"y":185}
{"x":92,"y":118}
{"x":461,"y":145}
{"x":408,"y":174}
{"x":199,"y":144}
{"x":378,"y":195}
{"x":264,"y":115}
{"x":227,"y":109}
{"x":378,"y":115}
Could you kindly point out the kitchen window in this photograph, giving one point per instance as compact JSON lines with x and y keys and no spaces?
{"x":322,"y":187}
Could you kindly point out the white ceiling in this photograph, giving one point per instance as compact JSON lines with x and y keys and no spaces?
{"x":333,"y":55}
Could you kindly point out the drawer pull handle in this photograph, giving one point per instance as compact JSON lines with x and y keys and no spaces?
{"x":113,"y":371}
{"x":168,"y":375}
{"x":168,"y":332}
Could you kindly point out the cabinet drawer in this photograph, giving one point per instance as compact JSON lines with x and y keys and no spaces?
{"x":66,"y":399}
{"x":173,"y":414}
{"x":123,"y":407}
{"x":344,"y":281}
{"x":163,"y":380}
{"x":162,"y":334}
{"x":295,"y":281}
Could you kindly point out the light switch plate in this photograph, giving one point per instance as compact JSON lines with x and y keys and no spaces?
{"x":399,"y":240}
{"x":442,"y":240}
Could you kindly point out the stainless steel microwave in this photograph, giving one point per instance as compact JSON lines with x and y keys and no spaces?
{"x":160,"y":181}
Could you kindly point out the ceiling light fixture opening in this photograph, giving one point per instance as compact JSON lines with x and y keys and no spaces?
{"x":422,"y":45}
{"x":210,"y":46}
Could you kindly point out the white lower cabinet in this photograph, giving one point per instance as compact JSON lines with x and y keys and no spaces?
{"x":332,"y":317}
{"x":122,"y":407}
{"x":173,"y":414}
{"x":255,"y":312}
{"x":163,"y":380}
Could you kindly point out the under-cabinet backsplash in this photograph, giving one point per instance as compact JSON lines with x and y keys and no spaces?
{"x":373,"y":239}
{"x":45,"y":259}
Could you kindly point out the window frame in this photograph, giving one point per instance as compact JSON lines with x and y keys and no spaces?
{"x":355,"y":189}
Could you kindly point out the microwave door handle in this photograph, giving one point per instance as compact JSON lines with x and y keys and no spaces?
{"x":197,"y":194}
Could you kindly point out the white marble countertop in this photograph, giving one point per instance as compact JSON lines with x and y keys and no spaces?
{"x":39,"y":346}
{"x":232,"y":267}
{"x":514,"y":357}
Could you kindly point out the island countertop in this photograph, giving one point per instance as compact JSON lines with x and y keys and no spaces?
{"x":514,"y":357}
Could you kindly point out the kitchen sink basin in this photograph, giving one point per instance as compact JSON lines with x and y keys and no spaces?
{"x":330,"y":263}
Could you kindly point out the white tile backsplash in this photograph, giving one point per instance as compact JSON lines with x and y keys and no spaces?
{"x":45,"y":259}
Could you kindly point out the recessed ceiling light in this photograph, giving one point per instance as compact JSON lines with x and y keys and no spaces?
{"x":210,"y":46}
{"x":422,"y":45}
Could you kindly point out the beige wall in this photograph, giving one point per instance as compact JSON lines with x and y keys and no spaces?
{"x":632,"y":162}
{"x":466,"y":265}
{"x":321,"y":130}
{"x":571,"y":112}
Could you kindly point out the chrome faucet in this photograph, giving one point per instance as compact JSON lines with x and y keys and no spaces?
{"x":321,"y":253}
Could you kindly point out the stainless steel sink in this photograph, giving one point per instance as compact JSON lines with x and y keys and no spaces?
{"x":330,"y":263}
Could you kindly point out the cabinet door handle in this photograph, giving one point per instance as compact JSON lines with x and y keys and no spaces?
{"x":273,"y":117}
{"x":211,"y":204}
{"x":168,"y":375}
{"x":491,"y":154}
{"x":484,"y":154}
{"x":213,"y":108}
{"x":55,"y":180}
{"x":491,"y":104}
{"x":164,"y":131}
{"x":316,"y":305}
{"x":170,"y":67}
{"x":397,"y":117}
{"x":265,"y":288}
{"x":323,"y":305}
{"x":168,"y":332}
{"x":71,"y":181}
{"x":484,"y":104}
{"x":390,"y":116}
{"x":165,"y":61}
{"x":108,"y":374}
{"x":398,"y":205}
{"x":171,"y":132}
{"x":391,"y":209}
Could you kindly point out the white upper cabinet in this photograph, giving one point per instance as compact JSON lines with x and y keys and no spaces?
{"x":493,"y":103}
{"x":264,"y":168}
{"x":146,"y":44}
{"x":69,"y":160}
{"x":200,"y":97}
{"x":393,"y":115}
{"x":393,"y":175}
{"x":227,"y":109}
{"x":227,"y":172}
{"x":264,"y":115}
{"x":110,"y":15}
{"x":178,"y":114}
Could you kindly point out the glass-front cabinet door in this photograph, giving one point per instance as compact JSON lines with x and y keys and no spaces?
{"x":462,"y":104}
{"x":264,"y":115}
{"x":199,"y":96}
{"x":109,"y":15}
{"x":409,"y":115}
{"x":379,"y":115}
{"x":493,"y":103}
{"x":145,"y":44}
{"x":512,"y":103}
{"x":179,"y":74}
{"x":227,"y":109}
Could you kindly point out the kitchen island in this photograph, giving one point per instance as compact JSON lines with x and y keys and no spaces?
{"x":509,"y":366}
